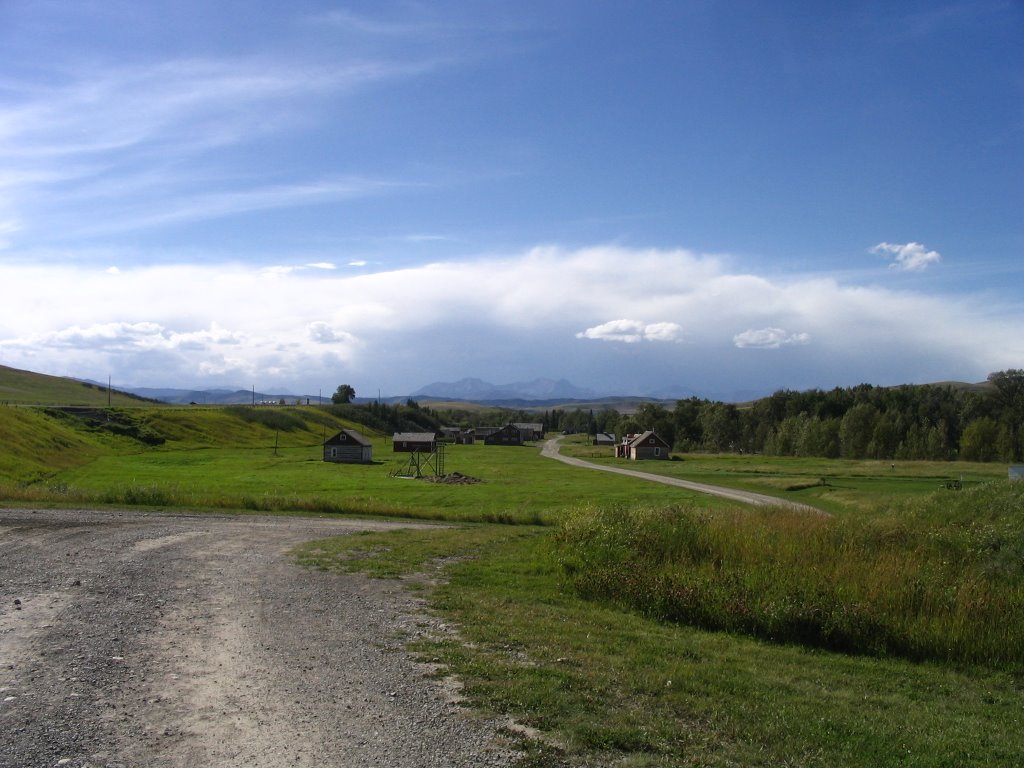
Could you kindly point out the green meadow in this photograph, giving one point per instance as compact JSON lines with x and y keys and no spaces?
{"x":622,"y":622}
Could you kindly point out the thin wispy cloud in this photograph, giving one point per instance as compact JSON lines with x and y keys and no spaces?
{"x":117,"y":146}
{"x":217,"y":205}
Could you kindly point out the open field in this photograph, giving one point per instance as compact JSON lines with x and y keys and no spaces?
{"x":832,"y":485}
{"x":603,"y":677}
{"x":218,"y":458}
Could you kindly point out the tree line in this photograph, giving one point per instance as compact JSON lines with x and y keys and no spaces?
{"x":930,"y":421}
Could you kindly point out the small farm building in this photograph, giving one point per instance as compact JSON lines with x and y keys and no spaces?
{"x":458,"y":435}
{"x":530,"y":431}
{"x":348,"y":447}
{"x":604,"y":438}
{"x":507,"y":435}
{"x":414,"y":441}
{"x":645,"y":446}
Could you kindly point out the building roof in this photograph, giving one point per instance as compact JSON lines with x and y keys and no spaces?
{"x":414,"y":437}
{"x":639,"y":439}
{"x":347,"y":437}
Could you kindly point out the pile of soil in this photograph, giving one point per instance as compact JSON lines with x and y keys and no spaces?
{"x":455,"y":478}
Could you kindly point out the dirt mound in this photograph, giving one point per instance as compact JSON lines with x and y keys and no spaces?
{"x":455,"y":478}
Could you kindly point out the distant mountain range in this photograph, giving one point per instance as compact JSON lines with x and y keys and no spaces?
{"x":479,"y":390}
{"x":538,"y":392}
{"x":215,"y":396}
{"x":18,"y":386}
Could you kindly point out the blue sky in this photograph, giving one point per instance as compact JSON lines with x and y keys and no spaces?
{"x":685,"y":197}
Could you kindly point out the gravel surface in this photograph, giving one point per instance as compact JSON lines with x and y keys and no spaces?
{"x":144,"y":639}
{"x":551,"y":449}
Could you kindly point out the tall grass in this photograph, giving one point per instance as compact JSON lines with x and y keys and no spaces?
{"x":934,"y":578}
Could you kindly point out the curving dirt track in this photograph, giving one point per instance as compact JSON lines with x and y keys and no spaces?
{"x":144,"y":639}
{"x":552,"y":450}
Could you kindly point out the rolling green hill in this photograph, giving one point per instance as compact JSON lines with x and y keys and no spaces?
{"x":40,"y":442}
{"x":27,"y":388}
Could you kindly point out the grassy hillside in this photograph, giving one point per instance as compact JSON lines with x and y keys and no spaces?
{"x":28,"y":388}
{"x":45,"y":443}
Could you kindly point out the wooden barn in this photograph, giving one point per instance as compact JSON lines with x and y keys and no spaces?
{"x":507,"y":435}
{"x":530,"y":431}
{"x":646,"y":446}
{"x":604,"y":438}
{"x":348,"y":447}
{"x":414,"y":441}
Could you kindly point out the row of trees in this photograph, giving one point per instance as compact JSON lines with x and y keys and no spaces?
{"x":905,"y":422}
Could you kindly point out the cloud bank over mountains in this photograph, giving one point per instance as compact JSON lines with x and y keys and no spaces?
{"x":684,"y":318}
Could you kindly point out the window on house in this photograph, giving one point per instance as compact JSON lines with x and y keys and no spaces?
{"x":657,"y":451}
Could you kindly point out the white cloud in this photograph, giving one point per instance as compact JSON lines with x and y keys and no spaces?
{"x":628,"y":331}
{"x":305,"y":328}
{"x":632,"y":331}
{"x":127,"y":337}
{"x":663,"y":332}
{"x":323,"y":333}
{"x":908,"y":257}
{"x":769,"y":338}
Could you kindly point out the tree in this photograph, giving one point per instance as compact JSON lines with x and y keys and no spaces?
{"x":856,"y":429}
{"x":343,"y":394}
{"x":720,"y":425}
{"x":1009,"y":386}
{"x":980,"y":440}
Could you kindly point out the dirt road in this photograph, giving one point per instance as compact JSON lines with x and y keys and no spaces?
{"x":552,"y":450}
{"x":143,"y":639}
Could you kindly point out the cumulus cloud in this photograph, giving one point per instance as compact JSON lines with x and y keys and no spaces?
{"x":632,"y":331}
{"x":908,"y":257}
{"x":663,"y":332}
{"x":769,"y":338}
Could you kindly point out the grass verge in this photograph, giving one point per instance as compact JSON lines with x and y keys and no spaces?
{"x":608,"y":686}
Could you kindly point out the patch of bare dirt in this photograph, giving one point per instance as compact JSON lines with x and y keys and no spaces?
{"x":177,"y":640}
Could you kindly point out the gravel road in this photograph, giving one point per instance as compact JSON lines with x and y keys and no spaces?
{"x":552,"y":450}
{"x":144,"y":639}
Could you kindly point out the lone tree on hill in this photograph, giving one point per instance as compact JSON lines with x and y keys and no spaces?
{"x":343,"y":394}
